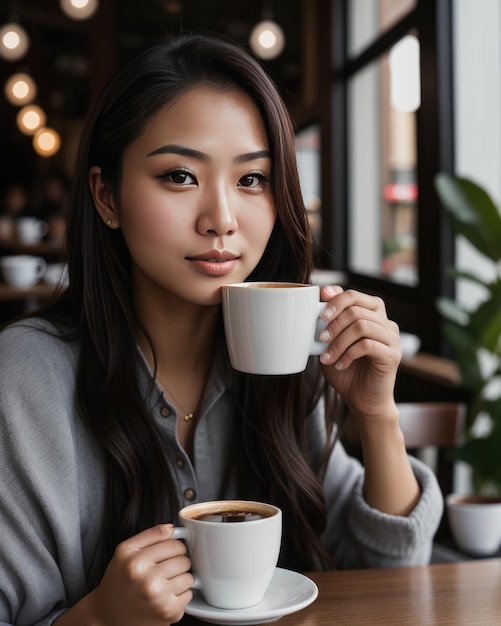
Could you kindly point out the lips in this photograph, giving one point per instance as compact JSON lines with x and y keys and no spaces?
{"x":215,"y":256}
{"x":214,"y":262}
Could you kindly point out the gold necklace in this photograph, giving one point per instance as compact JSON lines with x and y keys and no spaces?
{"x":188,"y":416}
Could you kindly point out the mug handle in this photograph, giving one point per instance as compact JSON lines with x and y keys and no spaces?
{"x":317,"y":347}
{"x":41,"y":267}
{"x":43,"y":228}
{"x":183,"y":533}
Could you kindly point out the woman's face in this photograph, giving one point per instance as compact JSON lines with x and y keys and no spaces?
{"x":195,"y":204}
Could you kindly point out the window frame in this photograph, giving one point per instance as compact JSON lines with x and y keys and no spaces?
{"x":412,"y":307}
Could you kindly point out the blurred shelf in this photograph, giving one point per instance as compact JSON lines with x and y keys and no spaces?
{"x":40,"y":291}
{"x":43,"y":248}
{"x":431,"y":367}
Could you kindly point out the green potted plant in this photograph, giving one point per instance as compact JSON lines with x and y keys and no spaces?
{"x":474,"y":334}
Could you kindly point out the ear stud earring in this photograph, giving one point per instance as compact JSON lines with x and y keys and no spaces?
{"x":109,"y":222}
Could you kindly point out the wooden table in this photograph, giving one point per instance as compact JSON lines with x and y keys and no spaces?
{"x":455,"y":594}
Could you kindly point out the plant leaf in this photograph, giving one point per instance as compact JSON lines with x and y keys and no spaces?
{"x":485,"y":322}
{"x":452,"y":311}
{"x":465,"y":348}
{"x":463,"y":275}
{"x":483,"y":454}
{"x":493,"y":407}
{"x":473,"y":213}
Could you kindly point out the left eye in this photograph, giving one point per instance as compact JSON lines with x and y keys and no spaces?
{"x":252,"y":180}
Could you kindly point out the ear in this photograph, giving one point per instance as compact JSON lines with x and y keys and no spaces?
{"x":103,"y":198}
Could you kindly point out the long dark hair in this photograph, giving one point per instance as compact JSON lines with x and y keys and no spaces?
{"x":272,"y":461}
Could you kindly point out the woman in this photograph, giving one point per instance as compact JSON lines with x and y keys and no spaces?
{"x":118,"y":404}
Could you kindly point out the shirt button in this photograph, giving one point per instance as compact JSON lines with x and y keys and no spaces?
{"x":189,"y":494}
{"x":165,"y":411}
{"x":180,"y":462}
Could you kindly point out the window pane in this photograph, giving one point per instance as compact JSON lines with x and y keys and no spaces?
{"x":308,"y":162}
{"x":382,"y":191}
{"x":368,"y":19}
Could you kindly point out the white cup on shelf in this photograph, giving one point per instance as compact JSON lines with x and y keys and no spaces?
{"x":22,"y":270}
{"x":31,"y":230}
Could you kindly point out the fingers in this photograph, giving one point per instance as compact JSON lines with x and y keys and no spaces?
{"x":150,"y":549}
{"x":357,"y":327}
{"x":337,"y":299}
{"x":155,"y":543}
{"x":150,"y":536}
{"x":147,"y":581}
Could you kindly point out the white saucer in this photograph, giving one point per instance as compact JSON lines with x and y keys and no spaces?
{"x":288,"y":592}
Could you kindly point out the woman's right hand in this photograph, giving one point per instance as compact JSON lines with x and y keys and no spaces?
{"x":147,"y":581}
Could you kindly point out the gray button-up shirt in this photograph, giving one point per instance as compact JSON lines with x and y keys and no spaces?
{"x":52,"y":485}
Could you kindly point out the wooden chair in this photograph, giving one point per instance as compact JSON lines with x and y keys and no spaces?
{"x":437,"y":425}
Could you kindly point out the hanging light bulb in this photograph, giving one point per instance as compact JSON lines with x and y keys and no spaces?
{"x":20,"y":89}
{"x":14,"y":41}
{"x":46,"y":142}
{"x":79,"y":9}
{"x":30,"y":118}
{"x":267,"y":39}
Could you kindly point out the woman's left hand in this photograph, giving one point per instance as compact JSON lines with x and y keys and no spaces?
{"x":363,"y":351}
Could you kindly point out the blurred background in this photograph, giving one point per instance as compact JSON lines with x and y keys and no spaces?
{"x":384,"y":94}
{"x":70,"y":58}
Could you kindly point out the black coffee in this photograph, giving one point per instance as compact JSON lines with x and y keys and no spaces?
{"x":479,"y":500}
{"x":231,"y":516}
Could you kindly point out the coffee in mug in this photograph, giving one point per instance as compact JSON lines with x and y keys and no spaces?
{"x":271,"y":327}
{"x":230,"y":516}
{"x":22,"y":270}
{"x":234,"y":547}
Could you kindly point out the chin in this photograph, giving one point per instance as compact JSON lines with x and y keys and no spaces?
{"x":208,"y":298}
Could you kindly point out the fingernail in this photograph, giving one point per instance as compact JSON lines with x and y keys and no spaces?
{"x":325,"y":335}
{"x":325,"y":357}
{"x":339,"y":365}
{"x":328,"y":312}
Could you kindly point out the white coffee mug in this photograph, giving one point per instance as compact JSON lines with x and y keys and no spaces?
{"x":271,"y":327}
{"x":475,"y":523}
{"x":234,"y":547}
{"x":31,"y":230}
{"x":22,"y":270}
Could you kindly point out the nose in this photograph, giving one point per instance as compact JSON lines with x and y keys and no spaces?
{"x":217,"y":216}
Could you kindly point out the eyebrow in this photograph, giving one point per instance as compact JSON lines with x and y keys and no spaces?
{"x":201,"y":156}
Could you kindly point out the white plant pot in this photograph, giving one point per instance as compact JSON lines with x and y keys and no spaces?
{"x":475,"y":523}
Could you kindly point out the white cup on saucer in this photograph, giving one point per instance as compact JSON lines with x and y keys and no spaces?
{"x":234,"y":547}
{"x":22,"y":270}
{"x":288,"y":592}
{"x":271,"y":327}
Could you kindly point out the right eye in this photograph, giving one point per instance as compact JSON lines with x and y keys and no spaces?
{"x":178,"y":177}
